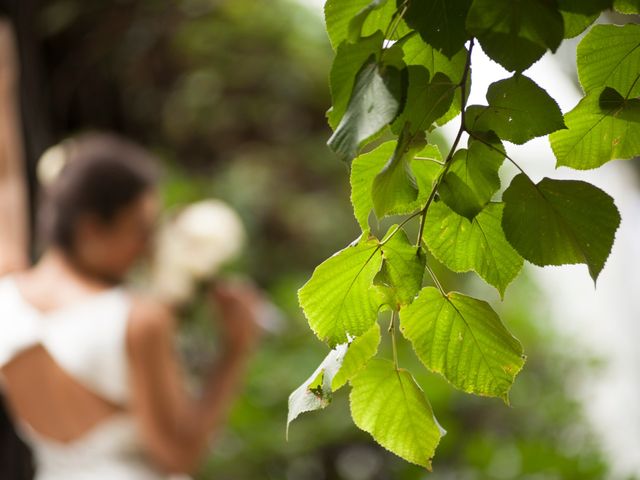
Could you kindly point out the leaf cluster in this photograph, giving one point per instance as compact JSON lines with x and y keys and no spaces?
{"x":401,"y":70}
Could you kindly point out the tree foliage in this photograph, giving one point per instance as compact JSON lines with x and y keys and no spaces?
{"x":401,"y":69}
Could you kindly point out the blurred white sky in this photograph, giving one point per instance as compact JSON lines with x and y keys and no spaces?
{"x":603,"y":321}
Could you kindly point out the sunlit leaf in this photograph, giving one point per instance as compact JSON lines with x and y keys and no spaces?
{"x":478,"y":245}
{"x":360,"y":351}
{"x":337,"y":300}
{"x":609,"y":56}
{"x":363,"y":170}
{"x":394,"y":190}
{"x":339,"y":15}
{"x":463,"y":339}
{"x":602,"y":127}
{"x":400,"y":277}
{"x":424,"y":167}
{"x":388,"y":404}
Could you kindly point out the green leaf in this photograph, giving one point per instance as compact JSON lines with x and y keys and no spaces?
{"x":348,"y":60}
{"x":559,"y":222}
{"x":316,"y":392}
{"x":339,"y":15}
{"x":374,"y":103}
{"x":516,"y":33}
{"x":473,"y":177}
{"x":441,"y":23}
{"x":424,"y":167}
{"x":609,"y":56}
{"x":602,"y":127}
{"x":579,"y":14}
{"x":393,"y":190}
{"x":338,"y":367}
{"x":360,"y":351}
{"x":519,"y":110}
{"x":338,"y":299}
{"x":357,"y":22}
{"x":363,"y":170}
{"x":478,"y":245}
{"x":388,"y":404}
{"x":400,"y":277}
{"x":417,"y":52}
{"x":427,"y":99}
{"x":629,"y":7}
{"x":463,"y":339}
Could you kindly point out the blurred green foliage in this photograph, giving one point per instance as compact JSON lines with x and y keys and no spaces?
{"x":231,"y":94}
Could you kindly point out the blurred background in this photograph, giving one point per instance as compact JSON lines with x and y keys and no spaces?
{"x":231,"y":94}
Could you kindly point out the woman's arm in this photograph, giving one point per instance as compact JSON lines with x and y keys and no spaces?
{"x":176,"y":427}
{"x":13,"y":201}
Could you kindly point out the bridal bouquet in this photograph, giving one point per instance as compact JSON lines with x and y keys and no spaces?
{"x":190,"y":249}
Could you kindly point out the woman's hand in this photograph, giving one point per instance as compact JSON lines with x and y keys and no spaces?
{"x":240,"y":303}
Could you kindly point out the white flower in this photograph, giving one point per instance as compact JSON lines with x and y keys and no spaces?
{"x":51,"y":164}
{"x":193,"y":246}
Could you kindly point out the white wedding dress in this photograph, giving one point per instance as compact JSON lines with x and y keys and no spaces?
{"x":87,"y":340}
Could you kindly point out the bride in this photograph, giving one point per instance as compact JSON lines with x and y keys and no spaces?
{"x":87,"y":367}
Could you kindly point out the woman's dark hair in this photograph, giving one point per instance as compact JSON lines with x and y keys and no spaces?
{"x":102,"y":174}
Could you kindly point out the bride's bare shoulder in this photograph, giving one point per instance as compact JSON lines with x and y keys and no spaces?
{"x":150,"y":319}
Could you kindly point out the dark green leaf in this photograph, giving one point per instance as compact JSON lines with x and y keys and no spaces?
{"x":348,"y":60}
{"x":338,"y":300}
{"x":388,"y":404}
{"x":441,"y":23}
{"x":428,"y":99}
{"x":417,"y":52}
{"x":579,"y":14}
{"x":473,"y":177}
{"x":627,"y":6}
{"x":560,"y":222}
{"x":609,"y":56}
{"x":463,"y":339}
{"x":374,"y":103}
{"x":602,"y":127}
{"x":518,"y":111}
{"x":516,"y":33}
{"x":478,"y":245}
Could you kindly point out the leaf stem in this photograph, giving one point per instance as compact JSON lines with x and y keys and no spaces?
{"x":402,"y":224}
{"x":393,"y":25}
{"x":392,"y":330}
{"x":435,"y":280}
{"x":501,"y":152}
{"x":447,"y":163}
